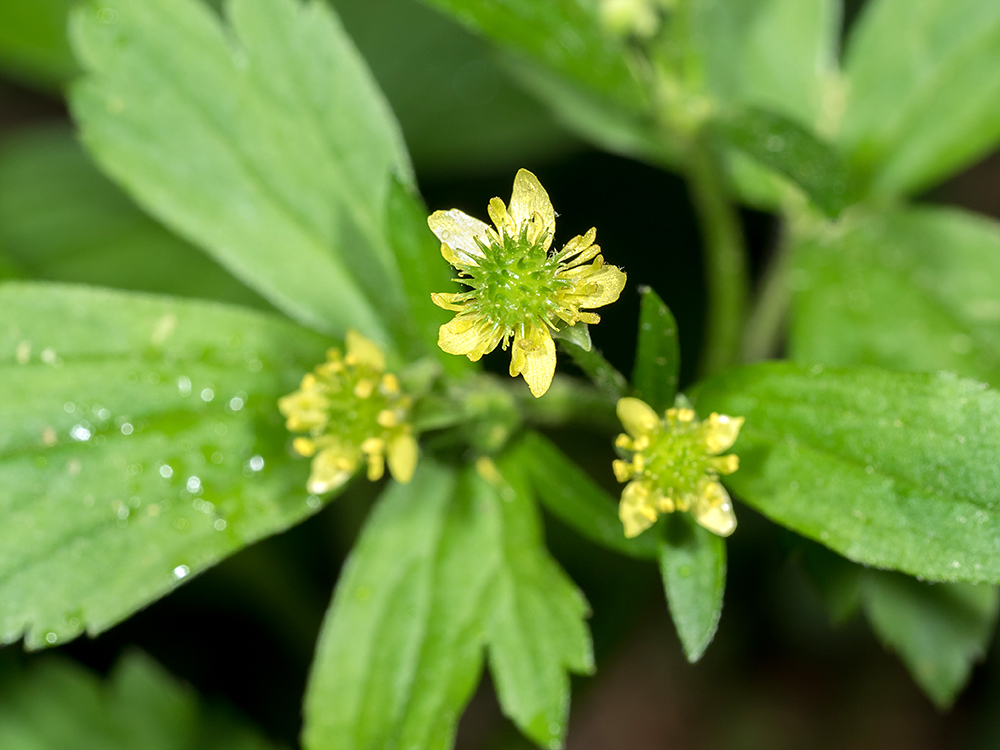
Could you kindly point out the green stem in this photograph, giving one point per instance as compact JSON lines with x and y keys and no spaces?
{"x":570,"y":401}
{"x":598,"y":369}
{"x":725,"y":259}
{"x":765,"y":327}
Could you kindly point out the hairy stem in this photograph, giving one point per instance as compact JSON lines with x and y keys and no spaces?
{"x":601,"y":372}
{"x":765,"y":327}
{"x":725,"y":259}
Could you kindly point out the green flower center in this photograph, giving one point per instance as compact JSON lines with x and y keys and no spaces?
{"x":515,"y":283}
{"x":677,"y":460}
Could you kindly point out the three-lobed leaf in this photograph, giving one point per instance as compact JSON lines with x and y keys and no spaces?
{"x":141,"y":444}
{"x":894,"y":470}
{"x":264,"y":140}
{"x":911,"y":289}
{"x":446,"y":566}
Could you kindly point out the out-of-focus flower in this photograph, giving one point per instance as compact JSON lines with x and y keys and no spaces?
{"x":352,"y":410}
{"x":518,"y":291}
{"x":674,"y":464}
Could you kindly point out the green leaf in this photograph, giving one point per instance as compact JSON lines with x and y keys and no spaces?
{"x":444,"y":566}
{"x":419,"y":252}
{"x":433,"y":71}
{"x":788,"y":62}
{"x":141,"y":444}
{"x":913,"y":289}
{"x":61,"y":220}
{"x":693,"y":566}
{"x":33,"y":43}
{"x":536,"y":627}
{"x":894,"y":470}
{"x":401,"y":648}
{"x":264,"y":141}
{"x":938,"y":630}
{"x":562,"y":35}
{"x":576,"y":499}
{"x":924,"y":90}
{"x":792,"y":151}
{"x":56,"y":703}
{"x":658,"y":354}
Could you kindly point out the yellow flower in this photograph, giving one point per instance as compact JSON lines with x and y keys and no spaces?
{"x":518,"y":290}
{"x":352,"y":410}
{"x":675,"y":464}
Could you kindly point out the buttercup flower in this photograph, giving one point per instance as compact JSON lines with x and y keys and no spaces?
{"x":675,"y":465}
{"x":518,"y":290}
{"x":352,"y":410}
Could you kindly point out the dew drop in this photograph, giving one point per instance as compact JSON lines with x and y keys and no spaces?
{"x":217,"y":458}
{"x":193,"y":484}
{"x":236,"y":403}
{"x":220,"y":524}
{"x":127,"y":429}
{"x":184,"y":385}
{"x":256,"y":463}
{"x":207,"y":395}
{"x":69,"y":407}
{"x":51,"y":637}
{"x":181,"y":571}
{"x":313,"y":501}
{"x":166,"y":471}
{"x":80,"y":432}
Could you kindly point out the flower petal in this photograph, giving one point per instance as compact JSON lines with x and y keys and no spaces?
{"x":637,"y":417}
{"x":362,"y":351}
{"x":331,"y":468}
{"x":459,"y":232}
{"x":446,"y":301}
{"x":402,"y":454}
{"x":602,"y":288}
{"x":534,"y":357}
{"x":714,"y":510}
{"x":636,"y":509}
{"x":529,"y":200}
{"x":720,"y":432}
{"x":466,"y":335}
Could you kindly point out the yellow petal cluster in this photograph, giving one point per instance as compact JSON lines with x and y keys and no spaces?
{"x":673,"y":464}
{"x":353,"y":411}
{"x":519,"y":292}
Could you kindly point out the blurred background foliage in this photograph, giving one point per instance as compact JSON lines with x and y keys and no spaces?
{"x":781,"y":674}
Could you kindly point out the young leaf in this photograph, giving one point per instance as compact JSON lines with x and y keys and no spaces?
{"x":33,"y":44}
{"x":894,"y":470}
{"x":914,"y":289}
{"x":141,"y":444}
{"x":576,"y":499}
{"x":790,"y":150}
{"x":58,"y":704}
{"x":924,"y":90}
{"x":938,"y":630}
{"x":536,"y":625}
{"x":658,"y":354}
{"x":693,"y":566}
{"x":445,"y":565}
{"x":61,"y":220}
{"x":401,"y":649}
{"x":265,"y":141}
